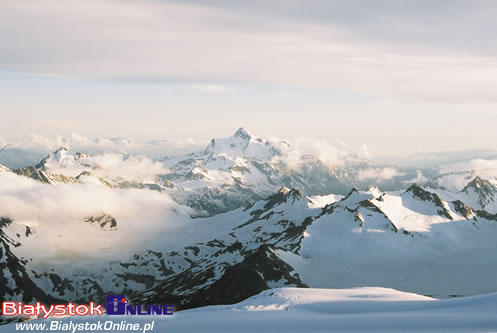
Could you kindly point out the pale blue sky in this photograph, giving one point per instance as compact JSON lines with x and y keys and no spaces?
{"x":400,"y":77}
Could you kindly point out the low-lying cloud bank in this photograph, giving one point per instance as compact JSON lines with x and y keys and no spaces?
{"x":478,"y":164}
{"x":298,"y":149}
{"x":455,"y":176}
{"x":294,"y":150}
{"x":77,"y":142}
{"x":380,"y":174}
{"x":56,"y":215}
{"x":137,"y":168}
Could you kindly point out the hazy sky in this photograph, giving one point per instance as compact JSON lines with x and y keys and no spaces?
{"x":400,"y":76}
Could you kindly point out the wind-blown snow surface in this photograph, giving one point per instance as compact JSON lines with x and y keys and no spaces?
{"x":353,"y":310}
{"x":403,"y":240}
{"x":327,"y":310}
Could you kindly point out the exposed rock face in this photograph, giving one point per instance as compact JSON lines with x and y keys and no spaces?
{"x":421,"y":194}
{"x":104,"y":221}
{"x":260,"y":270}
{"x":486,"y":192}
{"x":15,"y":282}
{"x":269,"y":243}
{"x":44,"y":177}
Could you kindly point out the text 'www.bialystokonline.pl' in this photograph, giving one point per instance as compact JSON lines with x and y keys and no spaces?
{"x":92,"y":326}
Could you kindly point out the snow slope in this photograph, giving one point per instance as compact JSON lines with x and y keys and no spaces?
{"x":327,"y":310}
{"x":410,"y":240}
{"x":3,"y":168}
{"x":478,"y":193}
{"x":92,"y":236}
{"x":143,"y":243}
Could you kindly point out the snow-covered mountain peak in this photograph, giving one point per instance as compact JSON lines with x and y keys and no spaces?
{"x":243,"y":134}
{"x":354,"y":197}
{"x":284,"y":195}
{"x":481,"y":190}
{"x":419,"y":192}
{"x":295,"y":194}
{"x":375,"y":191}
{"x":60,"y":153}
{"x":242,"y":144}
{"x":3,"y":168}
{"x":477,"y":184}
{"x":63,"y":158}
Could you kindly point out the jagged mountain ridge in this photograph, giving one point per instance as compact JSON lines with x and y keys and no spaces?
{"x":243,"y":168}
{"x":483,"y":189}
{"x":227,"y":174}
{"x":145,"y":268}
{"x":365,"y":232}
{"x":280,"y":240}
{"x":478,"y":193}
{"x":64,"y":167}
{"x":286,"y":240}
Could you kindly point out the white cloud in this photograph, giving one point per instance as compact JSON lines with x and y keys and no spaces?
{"x":395,"y":50}
{"x":56,"y":213}
{"x":457,"y":175}
{"x":366,"y":151}
{"x":379,"y":174}
{"x":115,"y":150}
{"x":79,"y":143}
{"x":210,"y":89}
{"x":65,"y":124}
{"x":297,"y":149}
{"x":137,"y":168}
{"x":472,"y":165}
{"x":419,"y":179}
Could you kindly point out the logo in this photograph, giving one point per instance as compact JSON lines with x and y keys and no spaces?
{"x":57,"y":310}
{"x":115,"y":305}
{"x":119,"y":305}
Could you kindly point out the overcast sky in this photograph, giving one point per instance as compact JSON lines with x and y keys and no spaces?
{"x":400,"y":76}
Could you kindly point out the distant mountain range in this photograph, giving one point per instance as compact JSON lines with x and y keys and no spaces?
{"x":230,"y":173}
{"x":267,"y":223}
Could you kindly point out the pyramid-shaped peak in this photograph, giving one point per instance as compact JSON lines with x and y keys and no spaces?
{"x":60,"y":153}
{"x":57,"y":155}
{"x":352,"y":191}
{"x":61,"y":149}
{"x":479,"y":182}
{"x":419,"y":192}
{"x":354,"y":197}
{"x":476,"y":184}
{"x":282,"y":196}
{"x":375,"y":191}
{"x":414,"y":187}
{"x":243,"y":133}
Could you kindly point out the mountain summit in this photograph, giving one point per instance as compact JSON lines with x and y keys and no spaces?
{"x":245,"y":145}
{"x":243,"y":168}
{"x":483,"y":190}
{"x":243,"y":133}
